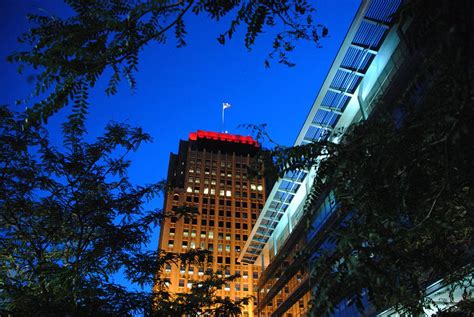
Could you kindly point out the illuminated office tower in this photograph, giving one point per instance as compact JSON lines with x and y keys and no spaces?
{"x":210,"y":172}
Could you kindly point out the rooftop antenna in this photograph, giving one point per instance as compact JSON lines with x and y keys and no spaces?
{"x":225,"y":105}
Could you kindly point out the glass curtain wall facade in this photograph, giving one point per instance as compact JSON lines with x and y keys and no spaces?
{"x":371,"y":58}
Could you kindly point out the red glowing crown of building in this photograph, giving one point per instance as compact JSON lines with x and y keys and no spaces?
{"x":223,"y":137}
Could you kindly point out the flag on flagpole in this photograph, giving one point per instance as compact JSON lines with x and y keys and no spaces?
{"x":225,"y":105}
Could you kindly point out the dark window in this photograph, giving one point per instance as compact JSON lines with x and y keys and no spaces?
{"x":228,"y":225}
{"x":228,"y":213}
{"x":221,"y":224}
{"x":196,"y":199}
{"x":245,"y":226}
{"x":221,"y":213}
{"x":211,"y":223}
{"x":189,"y":199}
{"x":203,"y":222}
{"x":174,"y":219}
{"x":237,"y":214}
{"x":227,"y":260}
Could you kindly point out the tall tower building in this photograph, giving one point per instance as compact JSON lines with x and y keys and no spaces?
{"x":210,"y":172}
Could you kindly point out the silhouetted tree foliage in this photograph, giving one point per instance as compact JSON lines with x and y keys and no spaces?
{"x":72,"y":53}
{"x":403,"y":180}
{"x":70,"y":219}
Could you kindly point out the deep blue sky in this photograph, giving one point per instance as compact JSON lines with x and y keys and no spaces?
{"x":182,"y":90}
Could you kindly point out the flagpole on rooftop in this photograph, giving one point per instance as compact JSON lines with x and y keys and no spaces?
{"x":225,"y":105}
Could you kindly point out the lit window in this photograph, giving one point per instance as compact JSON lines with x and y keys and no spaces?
{"x":193,"y":233}
{"x":260,"y":188}
{"x":227,"y":287}
{"x":206,"y":191}
{"x":219,"y":247}
{"x":185,"y":233}
{"x":213,"y":191}
{"x":211,"y":235}
{"x":227,"y":248}
{"x":189,"y":189}
{"x":201,"y":271}
{"x":221,"y":192}
{"x":191,"y":271}
{"x":227,"y":237}
{"x":189,"y":285}
{"x":228,"y":193}
{"x":253,"y":186}
{"x":203,"y":234}
{"x":168,"y":268}
{"x":193,"y":245}
{"x":184,"y":245}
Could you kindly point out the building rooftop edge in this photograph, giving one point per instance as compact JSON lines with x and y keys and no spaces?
{"x":219,"y":136}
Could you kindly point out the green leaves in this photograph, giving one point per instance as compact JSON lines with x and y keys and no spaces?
{"x":70,"y":54}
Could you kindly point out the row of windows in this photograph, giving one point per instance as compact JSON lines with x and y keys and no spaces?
{"x":210,"y":246}
{"x":197,"y":161}
{"x":226,"y":224}
{"x":220,"y":272}
{"x":238,"y":184}
{"x":210,"y":234}
{"x":223,"y":202}
{"x":225,"y":287}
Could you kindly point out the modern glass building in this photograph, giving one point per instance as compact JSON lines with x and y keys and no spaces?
{"x":378,"y":61}
{"x":371,"y":58}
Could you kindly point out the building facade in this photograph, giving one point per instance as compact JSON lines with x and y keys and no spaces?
{"x":209,"y":172}
{"x":373,"y":64}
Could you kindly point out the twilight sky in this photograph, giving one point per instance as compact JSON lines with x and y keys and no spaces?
{"x":182,"y":90}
